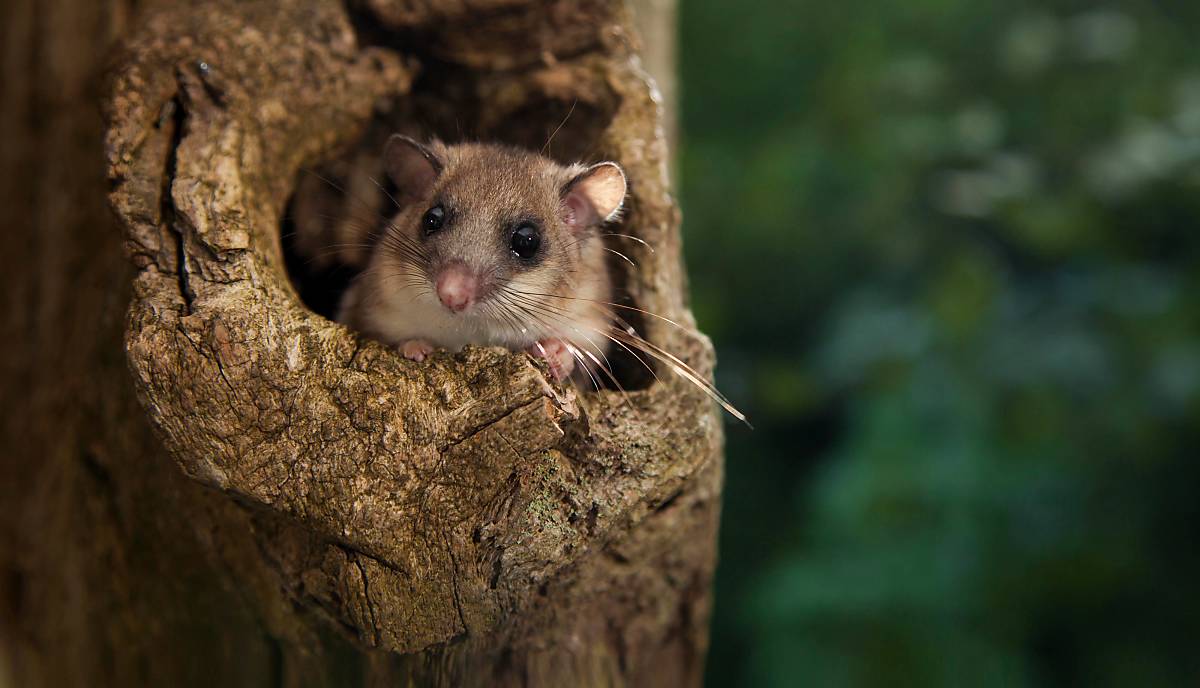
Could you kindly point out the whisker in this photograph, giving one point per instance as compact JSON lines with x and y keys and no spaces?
{"x":586,"y":369}
{"x":372,"y":209}
{"x":686,"y":371}
{"x":560,"y":126}
{"x":613,"y":305}
{"x":631,"y":238}
{"x":609,"y":315}
{"x":385,"y":193}
{"x":563,"y":318}
{"x":622,"y":255}
{"x":632,"y":339}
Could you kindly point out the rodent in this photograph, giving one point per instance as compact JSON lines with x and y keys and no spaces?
{"x":490,"y":245}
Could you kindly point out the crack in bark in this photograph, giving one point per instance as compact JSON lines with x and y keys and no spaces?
{"x":462,"y":619}
{"x":370,"y":605}
{"x":383,"y":562}
{"x":167,"y":210}
{"x":668,"y":502}
{"x":488,"y":424}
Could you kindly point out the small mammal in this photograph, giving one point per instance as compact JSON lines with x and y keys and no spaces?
{"x":491,"y":245}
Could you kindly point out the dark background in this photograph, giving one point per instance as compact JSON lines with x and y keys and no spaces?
{"x":947,"y":251}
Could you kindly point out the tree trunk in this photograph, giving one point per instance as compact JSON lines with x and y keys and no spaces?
{"x":205,"y":483}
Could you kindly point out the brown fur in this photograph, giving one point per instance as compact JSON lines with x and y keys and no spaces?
{"x":487,"y":188}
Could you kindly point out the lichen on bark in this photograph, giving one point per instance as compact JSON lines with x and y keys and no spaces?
{"x":466,"y":514}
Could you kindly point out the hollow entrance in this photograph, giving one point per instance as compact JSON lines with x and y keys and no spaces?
{"x":341,"y":205}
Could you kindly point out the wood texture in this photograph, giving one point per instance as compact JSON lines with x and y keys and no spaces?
{"x":342,"y":516}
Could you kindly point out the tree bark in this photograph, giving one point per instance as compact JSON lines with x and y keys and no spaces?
{"x":342,"y":516}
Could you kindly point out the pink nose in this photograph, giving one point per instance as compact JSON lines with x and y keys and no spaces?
{"x":456,"y":287}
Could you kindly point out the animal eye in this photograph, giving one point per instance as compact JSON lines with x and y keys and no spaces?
{"x":433,"y":219}
{"x":525,"y":241}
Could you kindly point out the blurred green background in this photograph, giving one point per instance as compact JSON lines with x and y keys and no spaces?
{"x":948,"y":253}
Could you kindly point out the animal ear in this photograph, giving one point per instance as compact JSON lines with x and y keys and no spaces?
{"x":594,"y":196}
{"x":411,"y":166}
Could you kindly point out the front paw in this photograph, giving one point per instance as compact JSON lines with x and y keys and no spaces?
{"x":558,"y":354}
{"x":416,"y":349}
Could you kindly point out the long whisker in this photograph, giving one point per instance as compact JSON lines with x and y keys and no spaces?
{"x":385,"y":193}
{"x":612,"y":305}
{"x":631,"y":238}
{"x":681,"y":368}
{"x":564,"y":319}
{"x":560,"y":126}
{"x":622,"y":255}
{"x":686,"y":371}
{"x":577,"y":353}
{"x":605,"y":313}
{"x":372,"y":209}
{"x":595,"y":383}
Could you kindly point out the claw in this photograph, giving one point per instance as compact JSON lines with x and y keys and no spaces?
{"x":416,"y":349}
{"x":558,"y":354}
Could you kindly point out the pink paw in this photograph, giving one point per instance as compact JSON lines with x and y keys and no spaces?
{"x":557,"y":353}
{"x":416,"y":349}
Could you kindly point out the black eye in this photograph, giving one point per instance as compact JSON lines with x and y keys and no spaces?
{"x":433,"y":219}
{"x":525,"y":241}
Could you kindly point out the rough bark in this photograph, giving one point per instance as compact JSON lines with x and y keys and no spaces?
{"x":346,"y":516}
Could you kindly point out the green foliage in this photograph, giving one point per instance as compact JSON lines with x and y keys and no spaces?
{"x":948,"y":250}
